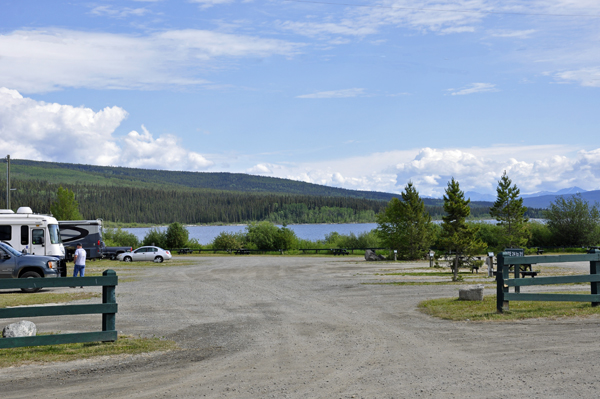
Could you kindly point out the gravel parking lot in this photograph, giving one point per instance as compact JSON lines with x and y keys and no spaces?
{"x":307,"y":327}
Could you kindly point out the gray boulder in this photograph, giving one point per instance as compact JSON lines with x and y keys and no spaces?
{"x":371,"y":256}
{"x":23,"y":328}
{"x":471,"y":293}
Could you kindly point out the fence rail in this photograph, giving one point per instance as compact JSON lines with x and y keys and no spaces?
{"x":108,"y":308}
{"x":504,"y":282}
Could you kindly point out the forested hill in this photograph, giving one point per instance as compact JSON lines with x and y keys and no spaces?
{"x":119,"y":176}
{"x":152,"y":196}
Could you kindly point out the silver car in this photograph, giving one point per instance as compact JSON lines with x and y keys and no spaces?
{"x":147,"y":254}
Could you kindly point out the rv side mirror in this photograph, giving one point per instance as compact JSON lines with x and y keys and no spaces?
{"x":6,"y":256}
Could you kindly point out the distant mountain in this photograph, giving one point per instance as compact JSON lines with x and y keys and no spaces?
{"x":474,"y":196}
{"x":544,"y":201}
{"x":564,"y":191}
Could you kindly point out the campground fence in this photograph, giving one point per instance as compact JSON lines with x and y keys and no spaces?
{"x":504,"y":282}
{"x":108,"y":308}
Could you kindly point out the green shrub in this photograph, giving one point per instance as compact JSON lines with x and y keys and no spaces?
{"x":119,"y":238}
{"x":227,"y":240}
{"x":176,"y":236}
{"x":156,"y":237}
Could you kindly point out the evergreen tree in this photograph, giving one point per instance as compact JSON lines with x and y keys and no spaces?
{"x":510,"y":214}
{"x":457,"y":236}
{"x":65,"y":207}
{"x":405,"y":225}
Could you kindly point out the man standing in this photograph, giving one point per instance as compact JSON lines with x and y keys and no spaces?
{"x":79,"y":259}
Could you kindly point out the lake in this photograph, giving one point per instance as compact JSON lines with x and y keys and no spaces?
{"x":313,"y":232}
{"x":206,"y":234}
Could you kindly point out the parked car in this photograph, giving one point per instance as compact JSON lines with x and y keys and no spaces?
{"x":155,"y":254}
{"x":15,"y":264}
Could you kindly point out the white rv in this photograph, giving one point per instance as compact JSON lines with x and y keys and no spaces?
{"x":31,"y":233}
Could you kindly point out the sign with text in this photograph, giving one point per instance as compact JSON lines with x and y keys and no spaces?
{"x":514,"y":251}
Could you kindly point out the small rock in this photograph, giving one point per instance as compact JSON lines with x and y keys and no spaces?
{"x":23,"y":328}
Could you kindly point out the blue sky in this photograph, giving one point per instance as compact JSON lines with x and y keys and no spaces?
{"x":364,"y":97}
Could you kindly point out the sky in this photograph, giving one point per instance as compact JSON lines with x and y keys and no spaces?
{"x":358,"y":94}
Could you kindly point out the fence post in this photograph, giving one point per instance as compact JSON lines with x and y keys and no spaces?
{"x":595,"y":269}
{"x":108,"y":296}
{"x":501,"y":275}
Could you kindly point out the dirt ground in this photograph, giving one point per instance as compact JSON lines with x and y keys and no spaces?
{"x":307,"y":327}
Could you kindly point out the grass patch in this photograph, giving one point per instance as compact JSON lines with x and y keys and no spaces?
{"x":442,"y":274}
{"x":68,"y":352}
{"x":428,"y":283}
{"x":457,"y":310}
{"x":96,"y":268}
{"x":8,"y":299}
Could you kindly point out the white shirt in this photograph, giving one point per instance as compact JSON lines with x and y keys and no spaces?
{"x":81,"y":255}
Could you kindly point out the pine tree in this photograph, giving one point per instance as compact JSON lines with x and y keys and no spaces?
{"x":510,"y":214}
{"x":65,"y":207}
{"x":405,"y":225}
{"x":457,"y":236}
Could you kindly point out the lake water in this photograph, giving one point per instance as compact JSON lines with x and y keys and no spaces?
{"x":206,"y":234}
{"x":313,"y":232}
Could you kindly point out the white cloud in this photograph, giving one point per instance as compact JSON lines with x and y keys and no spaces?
{"x":532,"y":168}
{"x":210,"y":3}
{"x":141,"y":150}
{"x":585,"y":77}
{"x":34,"y":61}
{"x":474,"y":88}
{"x":108,"y":11}
{"x":37,"y":130}
{"x":521,"y":34}
{"x":346,"y":93}
{"x":54,"y":132}
{"x":432,"y":169}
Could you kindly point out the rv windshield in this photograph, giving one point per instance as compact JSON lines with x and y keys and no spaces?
{"x":54,"y":234}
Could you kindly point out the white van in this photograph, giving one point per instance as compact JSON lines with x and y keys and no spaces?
{"x":31,"y":233}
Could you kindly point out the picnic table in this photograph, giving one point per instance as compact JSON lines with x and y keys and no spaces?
{"x":183,"y":251}
{"x":242,"y":252}
{"x":339,"y":251}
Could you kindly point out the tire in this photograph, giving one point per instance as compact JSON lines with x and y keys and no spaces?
{"x":113,"y":257}
{"x":30,"y":275}
{"x":127,"y":259}
{"x":158,"y":259}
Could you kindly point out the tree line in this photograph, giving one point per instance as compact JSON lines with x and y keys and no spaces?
{"x":161,"y":205}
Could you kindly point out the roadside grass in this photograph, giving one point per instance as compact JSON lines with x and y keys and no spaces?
{"x":67,"y":352}
{"x":8,"y":299}
{"x":96,"y":268}
{"x":459,"y":310}
{"x":433,"y":283}
{"x":442,"y":274}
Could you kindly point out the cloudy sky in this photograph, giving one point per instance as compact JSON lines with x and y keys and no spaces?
{"x":357,"y":94}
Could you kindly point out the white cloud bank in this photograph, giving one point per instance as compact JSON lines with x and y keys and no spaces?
{"x":36,"y":61}
{"x":42,"y":131}
{"x":476,"y":169}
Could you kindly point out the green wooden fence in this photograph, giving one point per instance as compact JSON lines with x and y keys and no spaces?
{"x":504,"y":282}
{"x":108,"y":309}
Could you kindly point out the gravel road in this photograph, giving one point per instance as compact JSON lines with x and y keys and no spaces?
{"x":306,"y":327}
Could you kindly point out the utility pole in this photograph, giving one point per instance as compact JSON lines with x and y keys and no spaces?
{"x":8,"y":182}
